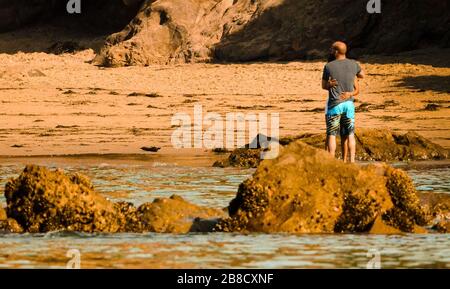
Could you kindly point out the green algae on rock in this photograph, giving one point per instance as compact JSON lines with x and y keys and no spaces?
{"x":305,"y":190}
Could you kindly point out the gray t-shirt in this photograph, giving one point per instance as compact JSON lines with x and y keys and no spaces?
{"x":344,"y":71}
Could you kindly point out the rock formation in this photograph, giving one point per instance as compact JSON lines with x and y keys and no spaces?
{"x":174,"y":215}
{"x":371,"y":145}
{"x":437,"y":206}
{"x":172,"y":31}
{"x":385,"y":145}
{"x":305,"y":190}
{"x":40,"y":200}
{"x":169,"y":31}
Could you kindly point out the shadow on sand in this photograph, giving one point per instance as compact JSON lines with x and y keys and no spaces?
{"x":437,"y":83}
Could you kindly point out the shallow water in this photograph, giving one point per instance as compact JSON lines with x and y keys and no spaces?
{"x":140,"y":181}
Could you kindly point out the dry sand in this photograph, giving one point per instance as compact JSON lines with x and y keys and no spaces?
{"x":61,"y":104}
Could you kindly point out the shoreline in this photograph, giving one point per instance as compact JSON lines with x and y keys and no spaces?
{"x":189,"y":158}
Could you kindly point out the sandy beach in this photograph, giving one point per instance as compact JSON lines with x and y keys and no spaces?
{"x":61,"y":104}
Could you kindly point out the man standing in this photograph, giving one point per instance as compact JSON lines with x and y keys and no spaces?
{"x":340,"y":78}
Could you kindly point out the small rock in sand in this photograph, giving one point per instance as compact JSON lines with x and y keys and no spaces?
{"x":151,"y":149}
{"x":432,"y":107}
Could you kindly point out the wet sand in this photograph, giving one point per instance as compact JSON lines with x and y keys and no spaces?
{"x":61,"y":104}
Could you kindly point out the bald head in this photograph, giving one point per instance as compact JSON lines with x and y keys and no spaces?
{"x":340,"y":47}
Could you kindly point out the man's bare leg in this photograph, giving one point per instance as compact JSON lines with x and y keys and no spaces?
{"x":352,"y":147}
{"x":331,"y":145}
{"x":344,"y":148}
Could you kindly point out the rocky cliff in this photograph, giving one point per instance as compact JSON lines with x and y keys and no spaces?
{"x":173,"y":31}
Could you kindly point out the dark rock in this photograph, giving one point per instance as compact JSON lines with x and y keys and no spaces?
{"x":220,"y":150}
{"x":151,"y":149}
{"x":432,"y":107}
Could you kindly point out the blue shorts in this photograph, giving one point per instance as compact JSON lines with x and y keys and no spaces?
{"x":341,"y":118}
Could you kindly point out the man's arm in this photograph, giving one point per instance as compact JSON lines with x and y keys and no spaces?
{"x":361,"y":73}
{"x":356,"y":87}
{"x":355,"y":92}
{"x":324,"y":84}
{"x":327,"y":81}
{"x":330,"y":83}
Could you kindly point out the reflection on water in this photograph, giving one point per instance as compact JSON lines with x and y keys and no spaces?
{"x":435,"y":179}
{"x":139,"y":182}
{"x":217,"y":250}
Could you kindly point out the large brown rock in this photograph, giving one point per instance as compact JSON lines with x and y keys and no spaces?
{"x":175,"y":215}
{"x":385,"y":145}
{"x":171,"y":31}
{"x":40,"y":200}
{"x":167,"y":31}
{"x":305,"y":190}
